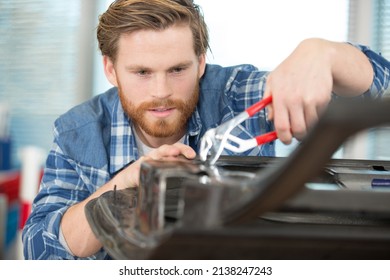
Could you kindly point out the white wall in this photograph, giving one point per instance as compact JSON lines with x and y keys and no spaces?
{"x":264,"y":32}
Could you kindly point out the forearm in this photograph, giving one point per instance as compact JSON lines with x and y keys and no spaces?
{"x":352,"y":71}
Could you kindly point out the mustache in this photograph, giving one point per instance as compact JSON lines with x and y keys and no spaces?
{"x":165,"y":103}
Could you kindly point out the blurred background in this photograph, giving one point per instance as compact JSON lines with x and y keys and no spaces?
{"x":49,"y":60}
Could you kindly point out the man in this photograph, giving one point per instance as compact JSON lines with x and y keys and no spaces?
{"x":164,"y":99}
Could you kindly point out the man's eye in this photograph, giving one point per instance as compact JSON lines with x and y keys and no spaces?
{"x":142,"y":72}
{"x":177,"y":69}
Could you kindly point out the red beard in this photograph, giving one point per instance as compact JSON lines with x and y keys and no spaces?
{"x":164,"y":127}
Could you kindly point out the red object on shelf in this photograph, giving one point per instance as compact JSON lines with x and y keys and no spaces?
{"x":25,"y":210}
{"x":10,"y":185}
{"x":25,"y":207}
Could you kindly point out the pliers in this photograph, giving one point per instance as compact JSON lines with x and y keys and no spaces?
{"x":215,"y":140}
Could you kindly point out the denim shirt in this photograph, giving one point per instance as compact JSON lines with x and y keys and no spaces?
{"x":95,"y":140}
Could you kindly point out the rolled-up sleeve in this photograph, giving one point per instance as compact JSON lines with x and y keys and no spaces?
{"x":381,"y":80}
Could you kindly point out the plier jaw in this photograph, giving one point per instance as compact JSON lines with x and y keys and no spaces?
{"x":209,"y":147}
{"x":206,"y":144}
{"x":215,"y":140}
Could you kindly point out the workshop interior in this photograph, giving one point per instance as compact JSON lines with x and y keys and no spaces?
{"x":331,"y":202}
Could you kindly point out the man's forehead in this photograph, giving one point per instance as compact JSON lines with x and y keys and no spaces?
{"x":175,"y":34}
{"x":170,"y":47}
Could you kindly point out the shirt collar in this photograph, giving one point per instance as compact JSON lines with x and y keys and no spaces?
{"x":194,"y":126}
{"x":123,"y":147}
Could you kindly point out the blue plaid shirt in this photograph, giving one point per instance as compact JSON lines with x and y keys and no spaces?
{"x":95,"y":139}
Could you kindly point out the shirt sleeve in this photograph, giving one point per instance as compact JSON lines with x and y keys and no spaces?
{"x":380,"y":86}
{"x":61,"y":187}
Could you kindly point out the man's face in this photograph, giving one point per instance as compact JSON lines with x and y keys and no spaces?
{"x":157,"y":74}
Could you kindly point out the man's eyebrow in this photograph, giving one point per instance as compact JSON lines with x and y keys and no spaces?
{"x":137,"y":67}
{"x":182,"y":64}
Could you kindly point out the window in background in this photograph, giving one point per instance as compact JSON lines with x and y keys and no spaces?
{"x":381,"y":30}
{"x":370,"y":24}
{"x":46,"y":52}
{"x":379,"y":144}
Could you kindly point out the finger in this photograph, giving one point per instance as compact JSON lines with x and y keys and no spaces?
{"x":282,"y":123}
{"x":186,"y":150}
{"x":314,"y":109}
{"x":311,"y":116}
{"x":174,"y":150}
{"x":269,"y":108}
{"x":321,"y":106}
{"x":298,"y":121}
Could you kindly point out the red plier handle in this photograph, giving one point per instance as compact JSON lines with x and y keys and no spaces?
{"x":265,"y":138}
{"x":219,"y":138}
{"x":258,"y":106}
{"x":252,"y":110}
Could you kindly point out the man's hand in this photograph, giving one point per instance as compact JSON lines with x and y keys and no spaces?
{"x":302,"y":85}
{"x":130,"y":175}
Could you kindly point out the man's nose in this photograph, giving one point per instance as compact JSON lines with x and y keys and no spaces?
{"x":162,"y":88}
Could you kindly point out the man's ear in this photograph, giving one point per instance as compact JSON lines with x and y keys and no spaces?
{"x":202,"y":64}
{"x":109,"y":70}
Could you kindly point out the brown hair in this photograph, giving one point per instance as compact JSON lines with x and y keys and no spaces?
{"x":126,"y":16}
